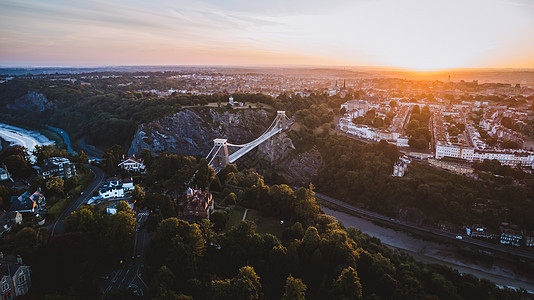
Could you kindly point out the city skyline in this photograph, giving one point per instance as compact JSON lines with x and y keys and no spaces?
{"x":412,"y":35}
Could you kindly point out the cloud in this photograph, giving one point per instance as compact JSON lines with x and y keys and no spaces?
{"x":383,"y":32}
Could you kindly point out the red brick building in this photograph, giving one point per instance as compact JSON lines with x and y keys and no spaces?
{"x":197,"y":205}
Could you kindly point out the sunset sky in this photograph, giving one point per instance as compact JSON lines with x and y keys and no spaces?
{"x":413,"y":34}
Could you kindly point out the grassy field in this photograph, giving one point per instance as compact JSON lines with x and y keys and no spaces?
{"x":263,"y":224}
{"x":61,"y":205}
{"x":58,"y":208}
{"x":235,"y":216}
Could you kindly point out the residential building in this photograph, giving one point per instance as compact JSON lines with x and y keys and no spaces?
{"x":197,"y":205}
{"x":356,"y":105}
{"x":114,"y":188}
{"x":470,"y":154}
{"x":8,"y":220}
{"x":16,"y":279}
{"x":133,"y":164}
{"x":28,"y":202}
{"x":511,"y":237}
{"x":400,"y":167}
{"x":456,"y":165}
{"x":57,"y":167}
{"x":4,"y":175}
{"x":479,"y":231}
{"x":111,"y":192}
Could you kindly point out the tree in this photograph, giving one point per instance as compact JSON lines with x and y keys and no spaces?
{"x":311,"y":239}
{"x":55,"y":186}
{"x":164,"y":280}
{"x":147,"y":156}
{"x":246,"y":285}
{"x":510,"y":144}
{"x":138,"y":195}
{"x":84,"y":219}
{"x":43,"y":152}
{"x":76,"y":263}
{"x":294,"y":289}
{"x":118,"y":236}
{"x":347,"y":285}
{"x":219,"y":219}
{"x":123,"y":206}
{"x":205,"y":174}
{"x":112,"y":157}
{"x":412,"y":126}
{"x":16,"y":160}
{"x":25,"y":241}
{"x":378,"y":122}
{"x":81,"y":158}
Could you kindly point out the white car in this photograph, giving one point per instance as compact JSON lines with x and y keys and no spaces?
{"x":459,"y":237}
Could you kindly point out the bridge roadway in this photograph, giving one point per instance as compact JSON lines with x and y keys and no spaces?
{"x":244,"y":150}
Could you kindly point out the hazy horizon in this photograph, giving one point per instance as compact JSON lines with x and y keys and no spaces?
{"x":408,"y":35}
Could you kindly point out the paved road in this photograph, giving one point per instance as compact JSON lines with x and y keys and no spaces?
{"x":91,"y":151}
{"x":131,"y":274}
{"x":58,"y":227}
{"x":397,"y":223}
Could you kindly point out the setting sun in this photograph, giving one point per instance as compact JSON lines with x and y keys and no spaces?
{"x":414,"y":34}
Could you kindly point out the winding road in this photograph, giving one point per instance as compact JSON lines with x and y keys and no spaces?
{"x":59,"y":227}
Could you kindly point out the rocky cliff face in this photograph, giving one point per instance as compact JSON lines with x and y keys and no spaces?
{"x":191,"y":131}
{"x":32,"y":101}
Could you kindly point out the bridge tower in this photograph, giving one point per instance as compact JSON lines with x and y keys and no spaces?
{"x":281,"y":116}
{"x":221,"y":157}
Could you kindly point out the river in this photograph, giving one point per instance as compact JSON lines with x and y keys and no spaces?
{"x":23,"y":137}
{"x":433,"y":252}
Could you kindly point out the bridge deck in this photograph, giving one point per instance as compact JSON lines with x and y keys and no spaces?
{"x":239,"y":153}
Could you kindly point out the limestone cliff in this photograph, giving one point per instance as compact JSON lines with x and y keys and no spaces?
{"x":191,"y":131}
{"x":32,"y":101}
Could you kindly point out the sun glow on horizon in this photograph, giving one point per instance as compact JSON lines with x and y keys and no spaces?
{"x":411,"y":34}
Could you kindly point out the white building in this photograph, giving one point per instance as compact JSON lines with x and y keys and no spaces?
{"x":509,"y":158}
{"x":4,"y":175}
{"x":111,"y":192}
{"x":400,"y":167}
{"x":115,"y":188}
{"x":133,"y":164}
{"x":366,"y":132}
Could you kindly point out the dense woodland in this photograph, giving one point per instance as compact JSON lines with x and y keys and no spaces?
{"x":314,"y":258}
{"x":109,"y":114}
{"x":361,"y":173}
{"x":418,"y":128}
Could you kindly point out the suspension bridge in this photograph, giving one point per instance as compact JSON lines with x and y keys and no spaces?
{"x":219,"y":156}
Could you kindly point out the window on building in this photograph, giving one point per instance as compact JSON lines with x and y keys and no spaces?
{"x":5,"y":287}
